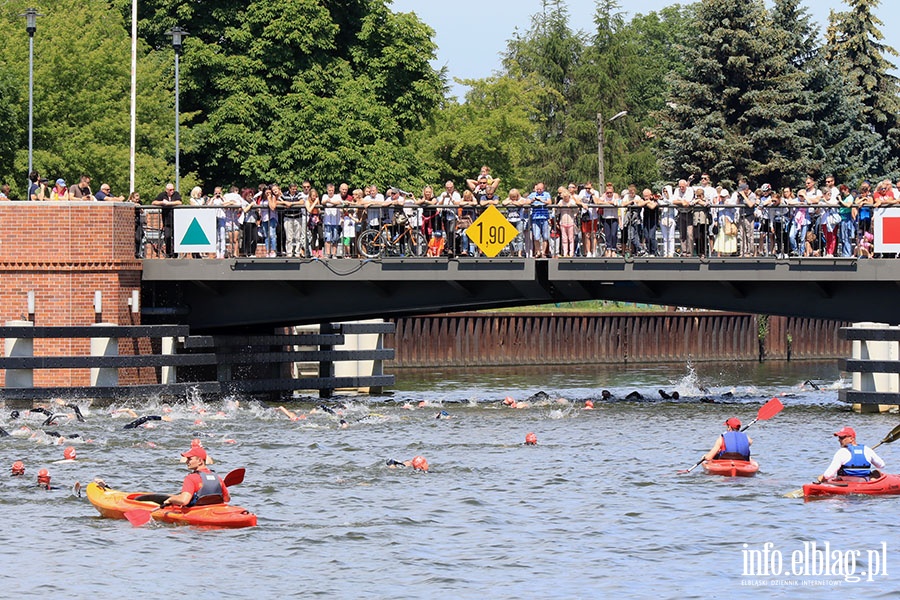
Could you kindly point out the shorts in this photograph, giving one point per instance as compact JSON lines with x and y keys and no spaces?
{"x":540,"y":230}
{"x":589,"y":226}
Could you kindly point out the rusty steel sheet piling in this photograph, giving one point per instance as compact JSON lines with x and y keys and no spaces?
{"x":503,"y":338}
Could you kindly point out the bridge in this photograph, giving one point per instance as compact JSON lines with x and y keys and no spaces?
{"x":236,"y":293}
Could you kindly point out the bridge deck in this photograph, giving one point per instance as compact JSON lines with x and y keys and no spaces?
{"x":205,"y":293}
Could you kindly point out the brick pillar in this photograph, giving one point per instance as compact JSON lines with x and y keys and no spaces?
{"x":65,"y":252}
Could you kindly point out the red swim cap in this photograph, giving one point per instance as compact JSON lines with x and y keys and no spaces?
{"x":589,"y":404}
{"x":530,"y":439}
{"x":43,"y":476}
{"x":69,"y":453}
{"x":419,"y":463}
{"x":18,"y":468}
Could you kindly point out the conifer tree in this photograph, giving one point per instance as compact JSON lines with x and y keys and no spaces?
{"x":854,"y":46}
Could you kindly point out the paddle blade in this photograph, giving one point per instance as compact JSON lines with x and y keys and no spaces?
{"x":235,"y":477}
{"x":769,"y":409}
{"x":890,"y":437}
{"x":137,"y":517}
{"x":794,"y":494}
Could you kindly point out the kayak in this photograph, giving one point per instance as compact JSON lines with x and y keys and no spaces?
{"x":885,"y":485}
{"x":731,"y":468}
{"x":113,"y":504}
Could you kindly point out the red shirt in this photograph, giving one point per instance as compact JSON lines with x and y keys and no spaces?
{"x":193,"y":483}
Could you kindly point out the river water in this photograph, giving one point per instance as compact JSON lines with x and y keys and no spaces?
{"x":596,"y":509}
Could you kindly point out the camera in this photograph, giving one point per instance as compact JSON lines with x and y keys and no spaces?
{"x":42,"y":180}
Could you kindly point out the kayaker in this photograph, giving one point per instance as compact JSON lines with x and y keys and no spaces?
{"x":851,"y":460}
{"x":201,"y":486}
{"x":733,"y":444}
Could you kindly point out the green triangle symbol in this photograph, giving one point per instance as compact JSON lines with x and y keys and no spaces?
{"x":194,"y":235}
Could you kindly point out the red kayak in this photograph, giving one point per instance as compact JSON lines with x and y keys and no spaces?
{"x":114,"y":504}
{"x":731,"y":468}
{"x":840,"y":486}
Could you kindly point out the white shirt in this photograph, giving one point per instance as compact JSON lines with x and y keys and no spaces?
{"x":332,"y":213}
{"x":843,"y":455}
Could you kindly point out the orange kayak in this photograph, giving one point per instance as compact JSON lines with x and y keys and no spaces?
{"x":113,"y":504}
{"x":881,"y":486}
{"x":731,"y":468}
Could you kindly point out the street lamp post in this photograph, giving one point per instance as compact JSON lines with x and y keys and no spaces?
{"x":601,"y":168}
{"x":177,"y":33}
{"x":31,"y":15}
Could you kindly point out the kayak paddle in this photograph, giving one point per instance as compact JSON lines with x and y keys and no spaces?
{"x":765,"y":412}
{"x":234,"y":477}
{"x":893,"y":435}
{"x":890,"y":437}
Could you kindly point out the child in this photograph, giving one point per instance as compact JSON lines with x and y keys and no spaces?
{"x":348,"y":232}
{"x":864,"y":249}
{"x":812,"y":244}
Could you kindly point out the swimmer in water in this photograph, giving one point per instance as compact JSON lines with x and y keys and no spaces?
{"x":418,"y":463}
{"x":291,"y":414}
{"x":142,"y":420}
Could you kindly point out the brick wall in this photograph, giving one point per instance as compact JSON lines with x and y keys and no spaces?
{"x":64,"y":252}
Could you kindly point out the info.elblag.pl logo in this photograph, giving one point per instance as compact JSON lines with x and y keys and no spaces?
{"x":813,"y":563}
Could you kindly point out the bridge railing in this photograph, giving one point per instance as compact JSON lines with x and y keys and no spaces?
{"x":582,"y":230}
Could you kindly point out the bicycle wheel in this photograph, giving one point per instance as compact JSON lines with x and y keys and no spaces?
{"x":419,"y":243}
{"x":370,"y":243}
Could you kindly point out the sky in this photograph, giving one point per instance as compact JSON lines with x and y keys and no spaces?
{"x":472,"y":34}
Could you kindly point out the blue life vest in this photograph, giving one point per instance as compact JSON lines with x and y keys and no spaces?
{"x":736,"y":445}
{"x":210,"y":491}
{"x":857,"y":466}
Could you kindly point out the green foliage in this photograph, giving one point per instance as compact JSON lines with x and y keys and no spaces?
{"x":854,"y":48}
{"x":82,"y":58}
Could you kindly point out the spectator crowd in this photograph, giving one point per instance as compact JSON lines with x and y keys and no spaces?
{"x":685,"y":220}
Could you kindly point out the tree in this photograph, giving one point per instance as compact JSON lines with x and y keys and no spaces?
{"x":853,"y":45}
{"x":82,"y":92}
{"x":300,"y":88}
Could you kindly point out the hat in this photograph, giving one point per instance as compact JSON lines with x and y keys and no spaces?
{"x":419,"y":463}
{"x":43,"y":476}
{"x":195,"y":451}
{"x":766,"y":187}
{"x":69,"y":453}
{"x":733,"y":422}
{"x":743,"y":187}
{"x":18,"y":468}
{"x":61,"y":182}
{"x":845,"y":432}
{"x":724,"y":193}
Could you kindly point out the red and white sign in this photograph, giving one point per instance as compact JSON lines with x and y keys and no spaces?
{"x":886,"y":227}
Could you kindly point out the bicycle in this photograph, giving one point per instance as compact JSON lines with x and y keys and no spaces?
{"x":374,"y":243}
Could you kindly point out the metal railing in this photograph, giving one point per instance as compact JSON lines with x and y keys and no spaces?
{"x":597,"y":230}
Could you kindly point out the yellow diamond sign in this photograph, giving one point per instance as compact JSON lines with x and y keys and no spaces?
{"x":491,"y":232}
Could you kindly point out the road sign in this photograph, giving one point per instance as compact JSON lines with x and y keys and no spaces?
{"x":886,"y":225}
{"x":491,"y":232}
{"x":195,"y":230}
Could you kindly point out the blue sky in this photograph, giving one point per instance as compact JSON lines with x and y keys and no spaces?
{"x":471,"y":34}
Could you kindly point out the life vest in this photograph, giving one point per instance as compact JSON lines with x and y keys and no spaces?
{"x":857,"y":466}
{"x":210,"y":492}
{"x":735,"y":445}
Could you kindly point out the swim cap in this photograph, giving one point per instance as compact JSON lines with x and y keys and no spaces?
{"x":508,"y":401}
{"x":18,"y":468}
{"x":530,"y":439}
{"x":43,"y":477}
{"x":419,"y":463}
{"x":69,"y":453}
{"x":589,"y":404}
